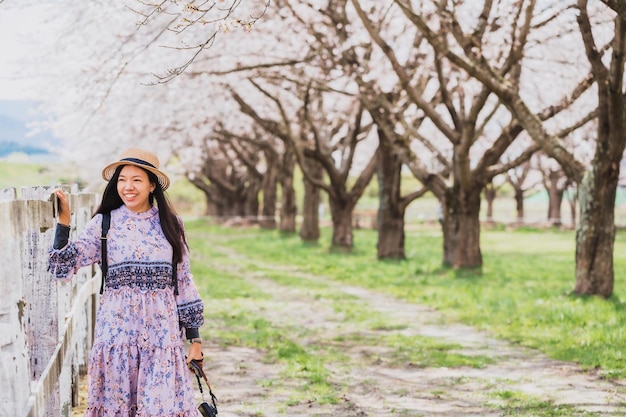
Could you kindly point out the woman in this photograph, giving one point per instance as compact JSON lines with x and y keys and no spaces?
{"x":137,"y":364}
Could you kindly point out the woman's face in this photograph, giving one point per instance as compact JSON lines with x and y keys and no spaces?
{"x":134,"y":188}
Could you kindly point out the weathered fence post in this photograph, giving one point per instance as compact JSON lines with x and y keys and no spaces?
{"x":42,"y":349}
{"x":14,"y":361}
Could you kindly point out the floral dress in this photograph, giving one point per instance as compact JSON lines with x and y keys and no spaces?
{"x":137,"y":363}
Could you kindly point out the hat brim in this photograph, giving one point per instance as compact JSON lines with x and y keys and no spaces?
{"x":109,"y":171}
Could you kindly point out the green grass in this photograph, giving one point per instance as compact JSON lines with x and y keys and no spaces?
{"x":520,"y":404}
{"x":19,"y":174}
{"x":523,"y":293}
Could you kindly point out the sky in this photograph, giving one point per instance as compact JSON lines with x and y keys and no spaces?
{"x":23,"y":30}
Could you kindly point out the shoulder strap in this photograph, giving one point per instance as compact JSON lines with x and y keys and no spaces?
{"x":175,"y":277}
{"x":197,"y":367}
{"x":106,"y":223}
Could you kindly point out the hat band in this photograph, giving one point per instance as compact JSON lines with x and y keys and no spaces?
{"x":139,"y":161}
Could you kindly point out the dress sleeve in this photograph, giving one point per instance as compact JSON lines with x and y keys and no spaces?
{"x":190,"y":306}
{"x":85,"y":250}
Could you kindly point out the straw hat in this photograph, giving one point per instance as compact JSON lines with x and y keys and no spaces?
{"x":138,"y":157}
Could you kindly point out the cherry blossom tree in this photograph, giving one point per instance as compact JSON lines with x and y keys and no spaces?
{"x":518,"y":177}
{"x":326,"y":137}
{"x":468,"y":130}
{"x":597,"y":186}
{"x":555,"y":183}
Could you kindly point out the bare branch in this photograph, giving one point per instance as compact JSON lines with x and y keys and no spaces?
{"x":425,"y":106}
{"x":482,"y":71}
{"x":583,"y":121}
{"x":197,"y":16}
{"x":175,"y":72}
{"x":523,"y":157}
{"x":409,"y":198}
{"x":287,"y":63}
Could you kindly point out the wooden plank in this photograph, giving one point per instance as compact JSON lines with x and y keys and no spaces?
{"x":36,"y":406}
{"x":14,"y":363}
{"x":8,"y":194}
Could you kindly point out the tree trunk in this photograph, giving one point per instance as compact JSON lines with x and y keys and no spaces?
{"x":390,"y":210}
{"x":310,"y":230}
{"x":519,"y":205}
{"x":210,"y":209}
{"x":461,"y":228}
{"x":554,"y":212}
{"x":288,"y":207}
{"x":596,"y":233}
{"x":490,"y":196}
{"x":341,"y":213}
{"x":251,"y":202}
{"x":268,"y":212}
{"x":224,"y":209}
{"x":235,"y":205}
{"x":571,"y":199}
{"x":572,"y":206}
{"x":555,"y":197}
{"x":448,"y":226}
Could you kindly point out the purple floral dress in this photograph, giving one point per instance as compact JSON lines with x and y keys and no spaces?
{"x":137,"y":365}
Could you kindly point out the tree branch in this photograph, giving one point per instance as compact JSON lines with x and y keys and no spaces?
{"x":619,"y":6}
{"x":504,"y":90}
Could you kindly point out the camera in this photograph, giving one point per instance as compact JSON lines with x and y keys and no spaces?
{"x":207,"y":410}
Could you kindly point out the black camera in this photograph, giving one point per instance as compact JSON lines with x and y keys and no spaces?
{"x":207,"y":410}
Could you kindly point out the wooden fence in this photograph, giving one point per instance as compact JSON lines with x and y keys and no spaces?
{"x":46,"y":328}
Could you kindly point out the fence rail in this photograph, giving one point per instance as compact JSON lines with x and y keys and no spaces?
{"x":46,"y":328}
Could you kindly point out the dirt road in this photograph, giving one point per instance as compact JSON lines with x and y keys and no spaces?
{"x":372,"y":386}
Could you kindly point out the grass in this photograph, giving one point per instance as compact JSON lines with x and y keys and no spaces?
{"x":237,"y":312}
{"x":523,"y":293}
{"x":20,"y":174}
{"x":520,"y":404}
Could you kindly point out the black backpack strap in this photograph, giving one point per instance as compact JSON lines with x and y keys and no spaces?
{"x":106,"y":223}
{"x":175,"y":277}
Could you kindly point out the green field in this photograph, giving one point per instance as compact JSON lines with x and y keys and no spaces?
{"x":523,"y":293}
{"x":18,"y":175}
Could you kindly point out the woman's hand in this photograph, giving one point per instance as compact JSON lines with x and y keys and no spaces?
{"x":64,"y":207}
{"x":195,"y":352}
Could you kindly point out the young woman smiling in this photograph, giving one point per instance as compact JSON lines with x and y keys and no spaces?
{"x":150,"y":303}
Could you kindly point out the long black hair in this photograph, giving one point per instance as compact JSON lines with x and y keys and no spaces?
{"x":170,"y":223}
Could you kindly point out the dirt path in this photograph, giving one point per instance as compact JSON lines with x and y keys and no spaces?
{"x":374,"y":387}
{"x":247,"y":385}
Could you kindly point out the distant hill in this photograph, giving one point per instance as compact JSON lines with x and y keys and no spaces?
{"x":8,"y":148}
